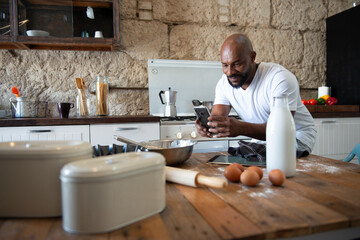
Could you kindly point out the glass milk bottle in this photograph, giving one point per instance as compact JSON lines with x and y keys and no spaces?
{"x":102,"y":96}
{"x":280,"y":138}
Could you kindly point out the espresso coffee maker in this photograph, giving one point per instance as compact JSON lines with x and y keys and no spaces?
{"x":170,"y":98}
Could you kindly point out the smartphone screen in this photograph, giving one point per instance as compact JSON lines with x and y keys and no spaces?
{"x":229,"y":159}
{"x":202,"y":114}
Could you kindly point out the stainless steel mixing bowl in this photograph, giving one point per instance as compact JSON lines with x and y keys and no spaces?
{"x":174,"y":151}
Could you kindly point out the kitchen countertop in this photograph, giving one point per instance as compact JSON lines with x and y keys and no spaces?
{"x":335,"y":114}
{"x":317,"y":111}
{"x":12,"y":122}
{"x":323,"y":196}
{"x":17,"y":122}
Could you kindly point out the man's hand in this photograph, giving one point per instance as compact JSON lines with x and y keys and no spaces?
{"x":201,"y":130}
{"x":222,"y":126}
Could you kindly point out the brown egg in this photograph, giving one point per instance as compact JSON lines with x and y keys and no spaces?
{"x":239,"y":166}
{"x":257,"y":170}
{"x":276,"y":177}
{"x":232,"y":173}
{"x":249,"y":178}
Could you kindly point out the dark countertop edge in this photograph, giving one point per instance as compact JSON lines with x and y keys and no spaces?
{"x":18,"y":122}
{"x":12,"y":122}
{"x":334,"y":114}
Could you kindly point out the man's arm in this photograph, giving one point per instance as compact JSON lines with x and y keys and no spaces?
{"x":220,"y":110}
{"x":224,"y":126}
{"x":231,"y":127}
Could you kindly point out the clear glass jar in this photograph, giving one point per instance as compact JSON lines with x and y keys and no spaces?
{"x":80,"y":112}
{"x":82,"y":103}
{"x":102,"y":96}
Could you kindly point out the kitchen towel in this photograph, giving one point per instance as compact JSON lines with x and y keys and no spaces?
{"x":255,"y":152}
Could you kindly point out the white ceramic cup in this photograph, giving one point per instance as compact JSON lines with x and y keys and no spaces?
{"x":99,"y":34}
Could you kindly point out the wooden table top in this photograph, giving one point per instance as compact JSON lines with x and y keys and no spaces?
{"x":324,"y":195}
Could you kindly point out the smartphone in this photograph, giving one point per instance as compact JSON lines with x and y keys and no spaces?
{"x":202,"y":114}
{"x":229,"y":159}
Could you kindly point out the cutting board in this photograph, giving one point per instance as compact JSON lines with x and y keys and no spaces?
{"x":332,"y":108}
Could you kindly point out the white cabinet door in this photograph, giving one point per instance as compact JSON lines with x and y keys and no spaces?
{"x":45,"y":133}
{"x":336,"y":137}
{"x":103,"y":134}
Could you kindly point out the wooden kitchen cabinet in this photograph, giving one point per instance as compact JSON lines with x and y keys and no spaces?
{"x":45,"y":133}
{"x":336,"y":137}
{"x":66,"y":22}
{"x":103,"y":134}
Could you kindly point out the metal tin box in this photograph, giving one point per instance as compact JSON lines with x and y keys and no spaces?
{"x":106,"y":193}
{"x":29,"y":175}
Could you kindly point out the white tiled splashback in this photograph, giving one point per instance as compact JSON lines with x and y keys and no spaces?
{"x":190,"y":78}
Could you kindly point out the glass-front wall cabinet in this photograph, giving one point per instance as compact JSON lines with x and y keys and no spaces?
{"x":60,"y":24}
{"x":4,"y":19}
{"x":45,"y":18}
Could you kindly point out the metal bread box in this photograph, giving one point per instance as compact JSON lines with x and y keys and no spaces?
{"x":106,"y":193}
{"x":29,"y":175}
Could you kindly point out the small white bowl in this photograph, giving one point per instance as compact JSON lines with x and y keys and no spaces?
{"x":37,"y":33}
{"x":99,"y":34}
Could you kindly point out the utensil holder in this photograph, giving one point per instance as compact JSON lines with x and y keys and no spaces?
{"x":32,"y":109}
{"x":82,"y":103}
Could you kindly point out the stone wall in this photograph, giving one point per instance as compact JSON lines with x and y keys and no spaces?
{"x":289,"y":32}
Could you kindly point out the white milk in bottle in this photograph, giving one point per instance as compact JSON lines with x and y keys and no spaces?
{"x":280,"y":138}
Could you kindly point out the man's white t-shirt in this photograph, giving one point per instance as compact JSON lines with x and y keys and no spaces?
{"x":254,"y":104}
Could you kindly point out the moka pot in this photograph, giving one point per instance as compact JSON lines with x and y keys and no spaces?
{"x":170,"y":99}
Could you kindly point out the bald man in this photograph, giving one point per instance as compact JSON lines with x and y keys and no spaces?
{"x":249,"y":88}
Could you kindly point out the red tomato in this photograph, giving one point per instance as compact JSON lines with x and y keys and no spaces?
{"x":312,"y":102}
{"x":305,"y":102}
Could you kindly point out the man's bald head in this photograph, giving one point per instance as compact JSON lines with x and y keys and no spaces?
{"x":238,"y":44}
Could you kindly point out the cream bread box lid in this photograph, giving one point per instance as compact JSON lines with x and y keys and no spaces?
{"x":44,"y":149}
{"x":119,"y":165}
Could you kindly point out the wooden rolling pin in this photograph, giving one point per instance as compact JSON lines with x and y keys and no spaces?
{"x":193,"y":178}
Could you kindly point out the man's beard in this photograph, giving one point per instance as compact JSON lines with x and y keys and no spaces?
{"x":243,"y":77}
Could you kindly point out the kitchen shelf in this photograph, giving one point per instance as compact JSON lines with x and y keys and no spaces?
{"x":65,"y":21}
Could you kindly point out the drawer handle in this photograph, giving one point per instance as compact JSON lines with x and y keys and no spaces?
{"x":328,"y":121}
{"x":126,"y":129}
{"x":40,"y":131}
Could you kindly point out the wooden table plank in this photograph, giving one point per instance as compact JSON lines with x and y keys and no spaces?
{"x":227,"y":222}
{"x":267,"y":215}
{"x":26,"y":228}
{"x":149,"y":228}
{"x":331,"y":171}
{"x":320,"y":218}
{"x":182,"y":220}
{"x":323,"y":197}
{"x":345,"y":194}
{"x":343,"y":165}
{"x":57,"y":233}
